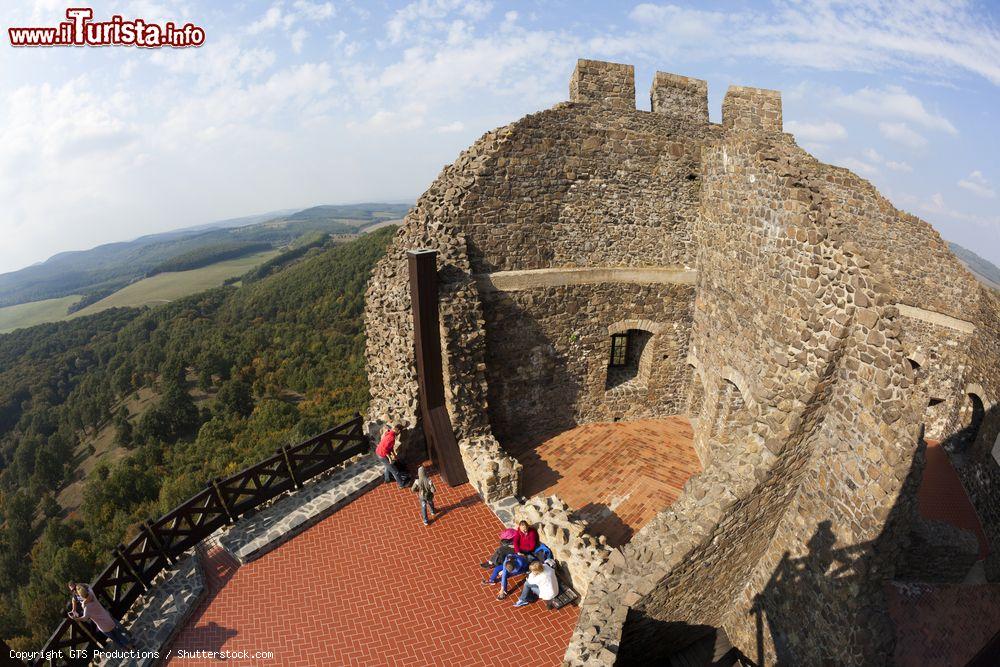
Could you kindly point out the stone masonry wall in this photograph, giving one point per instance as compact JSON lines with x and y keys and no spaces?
{"x":548,"y":350}
{"x":979,"y":465}
{"x":836,"y":388}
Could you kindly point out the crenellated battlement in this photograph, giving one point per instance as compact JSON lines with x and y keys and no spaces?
{"x":679,"y":97}
{"x":685,"y":98}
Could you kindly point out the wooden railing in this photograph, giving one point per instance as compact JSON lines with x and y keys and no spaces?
{"x":162,"y":542}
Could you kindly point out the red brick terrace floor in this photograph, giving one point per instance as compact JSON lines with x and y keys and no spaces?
{"x":618,"y":476}
{"x":372,"y":586}
{"x":942,"y":497}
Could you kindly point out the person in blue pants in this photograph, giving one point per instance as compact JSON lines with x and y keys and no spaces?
{"x":513,"y":565}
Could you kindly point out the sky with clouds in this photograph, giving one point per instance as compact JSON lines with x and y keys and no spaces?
{"x":293,"y":103}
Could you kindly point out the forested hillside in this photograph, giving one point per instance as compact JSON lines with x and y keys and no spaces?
{"x":99,"y":271}
{"x":282,"y":356}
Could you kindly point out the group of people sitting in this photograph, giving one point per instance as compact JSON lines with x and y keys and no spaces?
{"x":520,"y":552}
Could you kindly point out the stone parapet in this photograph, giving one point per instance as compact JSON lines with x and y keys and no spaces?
{"x":255,"y":535}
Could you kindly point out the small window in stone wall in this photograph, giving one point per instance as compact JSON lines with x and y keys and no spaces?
{"x":624,"y":365}
{"x":619,"y":350}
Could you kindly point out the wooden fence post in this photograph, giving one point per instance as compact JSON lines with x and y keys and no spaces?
{"x":288,"y":465}
{"x":222,"y":500}
{"x":119,"y":553}
{"x":147,"y":529}
{"x":86,"y":631}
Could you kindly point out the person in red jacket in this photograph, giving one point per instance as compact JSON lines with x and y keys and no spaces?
{"x":526,"y":540}
{"x":384,"y":452}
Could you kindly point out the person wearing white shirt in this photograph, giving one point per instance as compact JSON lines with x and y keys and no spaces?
{"x":541,"y":583}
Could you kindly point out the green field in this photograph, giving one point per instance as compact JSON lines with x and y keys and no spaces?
{"x":159,"y":289}
{"x":36,"y":312}
{"x":165,"y":287}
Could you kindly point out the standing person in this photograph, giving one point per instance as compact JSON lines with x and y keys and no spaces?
{"x":384,"y":452}
{"x":424,"y":488}
{"x":75,"y":601}
{"x":541,"y":583}
{"x":513,"y":565}
{"x":526,"y":540}
{"x":94,"y":611}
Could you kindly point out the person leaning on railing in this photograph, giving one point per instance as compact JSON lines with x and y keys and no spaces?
{"x":94,"y":611}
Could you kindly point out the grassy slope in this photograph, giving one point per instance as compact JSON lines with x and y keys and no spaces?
{"x":165,"y":287}
{"x":29,"y":314}
{"x":106,"y":450}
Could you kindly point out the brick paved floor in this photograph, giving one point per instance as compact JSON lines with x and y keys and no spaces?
{"x":616,"y":475}
{"x":372,"y":586}
{"x":944,"y":625}
{"x":942,"y":497}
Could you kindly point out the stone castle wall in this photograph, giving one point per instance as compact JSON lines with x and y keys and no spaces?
{"x":548,"y":349}
{"x":802,"y":322}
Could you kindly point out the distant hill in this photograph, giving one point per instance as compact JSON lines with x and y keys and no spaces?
{"x":984,"y":269}
{"x":97,"y":272}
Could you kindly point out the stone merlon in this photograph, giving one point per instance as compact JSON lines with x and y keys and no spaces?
{"x":679,"y":97}
{"x":752,"y":109}
{"x":611,"y":84}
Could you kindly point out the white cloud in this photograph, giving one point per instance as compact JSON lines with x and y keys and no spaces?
{"x":874,"y":157}
{"x":314,"y":11}
{"x":903,"y":134}
{"x":385,"y":121}
{"x":893,"y":102}
{"x":857,"y":165}
{"x":925,"y":36}
{"x":270,"y":20}
{"x":298,"y":39}
{"x":816,"y":132}
{"x":977,"y":184}
{"x":457,"y":126}
{"x":424,"y":15}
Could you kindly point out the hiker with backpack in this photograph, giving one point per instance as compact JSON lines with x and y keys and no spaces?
{"x":424,"y":488}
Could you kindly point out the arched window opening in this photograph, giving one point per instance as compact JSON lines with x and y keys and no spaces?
{"x":934,"y":401}
{"x":626,"y":357}
{"x":914,"y":364}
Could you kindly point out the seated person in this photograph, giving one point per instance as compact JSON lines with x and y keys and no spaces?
{"x":541,"y":583}
{"x":502,"y":551}
{"x":526,"y":539}
{"x":513,"y":565}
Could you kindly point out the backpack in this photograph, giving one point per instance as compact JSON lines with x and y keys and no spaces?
{"x":543,"y":553}
{"x":508,"y":533}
